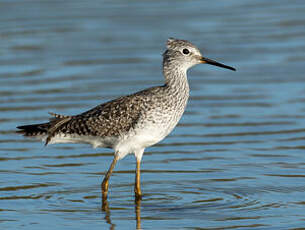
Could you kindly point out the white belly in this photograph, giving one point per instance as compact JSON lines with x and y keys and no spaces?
{"x":141,"y":139}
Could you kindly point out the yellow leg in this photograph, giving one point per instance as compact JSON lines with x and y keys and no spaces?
{"x":105,"y":183}
{"x":137,"y":187}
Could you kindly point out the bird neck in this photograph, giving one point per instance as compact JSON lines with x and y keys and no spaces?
{"x":175,"y":77}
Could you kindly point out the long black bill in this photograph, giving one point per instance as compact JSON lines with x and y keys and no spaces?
{"x":212,"y":62}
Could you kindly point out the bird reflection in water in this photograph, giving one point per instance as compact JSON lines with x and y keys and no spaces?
{"x":106,"y":210}
{"x":138,"y":213}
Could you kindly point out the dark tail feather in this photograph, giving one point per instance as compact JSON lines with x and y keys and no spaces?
{"x":33,"y":130}
{"x":48,"y":129}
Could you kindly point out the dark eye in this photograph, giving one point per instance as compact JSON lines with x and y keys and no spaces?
{"x":185,"y":51}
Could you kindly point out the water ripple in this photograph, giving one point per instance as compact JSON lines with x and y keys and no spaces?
{"x":236,"y":159}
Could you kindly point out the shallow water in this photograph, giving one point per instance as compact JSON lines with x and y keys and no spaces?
{"x":236,"y":160}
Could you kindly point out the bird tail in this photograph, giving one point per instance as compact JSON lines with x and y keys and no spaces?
{"x":44,"y":131}
{"x":39,"y":131}
{"x":33,"y":130}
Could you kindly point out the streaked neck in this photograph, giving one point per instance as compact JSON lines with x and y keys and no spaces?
{"x":175,"y":77}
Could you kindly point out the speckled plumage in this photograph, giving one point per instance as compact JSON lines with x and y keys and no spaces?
{"x":158,"y":108}
{"x":130,"y":123}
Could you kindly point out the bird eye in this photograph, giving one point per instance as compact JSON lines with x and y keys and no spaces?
{"x":186,"y":51}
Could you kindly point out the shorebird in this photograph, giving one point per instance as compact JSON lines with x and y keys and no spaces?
{"x":129,"y":124}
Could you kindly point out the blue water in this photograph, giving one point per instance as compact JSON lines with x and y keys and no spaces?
{"x":236,"y":160}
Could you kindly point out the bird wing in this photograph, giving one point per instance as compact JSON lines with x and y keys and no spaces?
{"x":110,"y":119}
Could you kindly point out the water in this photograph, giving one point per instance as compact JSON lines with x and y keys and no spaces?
{"x":236,"y":160}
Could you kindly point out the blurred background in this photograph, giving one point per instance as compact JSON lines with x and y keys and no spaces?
{"x":236,"y":160}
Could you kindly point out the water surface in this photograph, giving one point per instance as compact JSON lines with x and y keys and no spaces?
{"x":236,"y":160}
